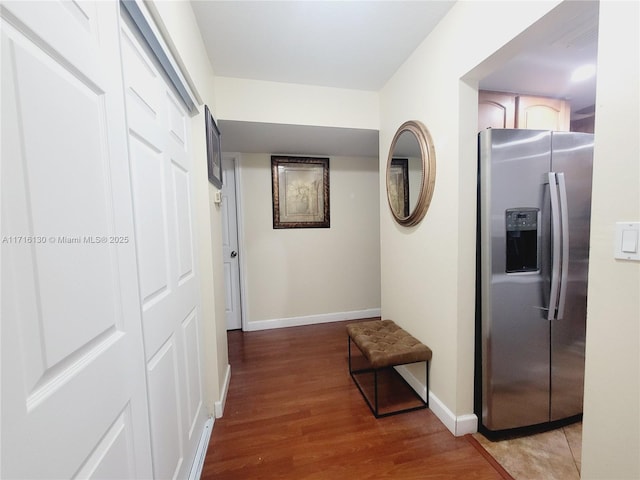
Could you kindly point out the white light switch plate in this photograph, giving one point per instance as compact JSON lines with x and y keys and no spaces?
{"x":627,"y":242}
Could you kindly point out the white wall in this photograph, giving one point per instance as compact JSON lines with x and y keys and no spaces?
{"x":297,"y":276}
{"x":611,"y":427}
{"x":286,"y":103}
{"x":429,"y":288}
{"x":428,"y":271}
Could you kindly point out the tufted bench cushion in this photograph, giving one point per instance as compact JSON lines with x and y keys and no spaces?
{"x":385,"y":344}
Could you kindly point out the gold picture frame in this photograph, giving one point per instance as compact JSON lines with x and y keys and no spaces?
{"x":300,"y":190}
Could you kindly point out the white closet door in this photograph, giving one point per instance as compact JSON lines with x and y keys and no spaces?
{"x":162,"y":183}
{"x":74,"y":400}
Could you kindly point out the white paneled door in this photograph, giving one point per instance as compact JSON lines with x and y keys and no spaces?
{"x":74,"y":400}
{"x":161,"y":171}
{"x":100,"y":330}
{"x":230,"y":250}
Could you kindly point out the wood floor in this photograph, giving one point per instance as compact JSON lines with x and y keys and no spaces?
{"x":293,"y":412}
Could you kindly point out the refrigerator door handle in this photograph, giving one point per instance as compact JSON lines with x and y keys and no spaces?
{"x":555,"y":254}
{"x":564,"y":229}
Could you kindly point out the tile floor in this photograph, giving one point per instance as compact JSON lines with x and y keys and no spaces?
{"x":553,"y":455}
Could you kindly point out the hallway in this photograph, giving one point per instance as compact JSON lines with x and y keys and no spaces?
{"x":293,"y":412}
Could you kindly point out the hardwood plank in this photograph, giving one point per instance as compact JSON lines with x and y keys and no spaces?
{"x":293,"y":412}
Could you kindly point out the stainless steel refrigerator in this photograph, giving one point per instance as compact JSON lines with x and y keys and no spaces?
{"x":534,"y":210}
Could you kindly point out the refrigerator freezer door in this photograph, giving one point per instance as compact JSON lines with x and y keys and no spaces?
{"x":515,"y":331}
{"x":572,"y":155}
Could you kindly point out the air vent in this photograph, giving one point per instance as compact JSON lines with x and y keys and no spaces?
{"x":581,"y":32}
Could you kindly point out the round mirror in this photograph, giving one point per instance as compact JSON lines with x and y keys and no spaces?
{"x":411,"y":173}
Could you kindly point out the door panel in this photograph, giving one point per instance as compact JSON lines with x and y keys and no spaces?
{"x":71,"y":336}
{"x":164,"y":403}
{"x":110,"y":458}
{"x":148,"y":183}
{"x":161,"y":166}
{"x":542,"y":113}
{"x":182,"y":192}
{"x":496,"y":110}
{"x":192,"y":359}
{"x":67,"y":331}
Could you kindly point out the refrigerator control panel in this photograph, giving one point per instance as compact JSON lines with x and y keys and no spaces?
{"x":522,"y":240}
{"x":522,"y":219}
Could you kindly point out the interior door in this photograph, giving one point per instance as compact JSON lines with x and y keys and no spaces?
{"x":73,"y":381}
{"x":233,"y":312}
{"x":162,"y":184}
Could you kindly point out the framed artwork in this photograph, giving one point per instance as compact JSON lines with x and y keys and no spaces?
{"x":214,"y":154}
{"x":300,"y":188}
{"x":398,"y":186}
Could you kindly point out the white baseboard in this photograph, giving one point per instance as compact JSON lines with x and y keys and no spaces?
{"x":219,"y":405}
{"x":419,"y":387}
{"x":311,"y":319}
{"x":201,"y":451}
{"x":466,"y":424}
{"x":458,"y":425}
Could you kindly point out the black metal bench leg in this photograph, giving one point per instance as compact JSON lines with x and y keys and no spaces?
{"x":375,"y":390}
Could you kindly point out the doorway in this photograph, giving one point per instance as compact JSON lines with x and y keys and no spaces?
{"x":568,"y":37}
{"x":230,"y":244}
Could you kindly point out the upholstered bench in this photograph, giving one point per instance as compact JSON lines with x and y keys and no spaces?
{"x":385,"y":345}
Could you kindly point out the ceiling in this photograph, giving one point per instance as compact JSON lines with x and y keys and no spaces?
{"x":344,"y":44}
{"x":358,"y":45}
{"x":547,"y":54}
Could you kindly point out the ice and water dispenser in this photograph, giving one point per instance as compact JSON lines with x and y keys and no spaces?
{"x":522,"y":239}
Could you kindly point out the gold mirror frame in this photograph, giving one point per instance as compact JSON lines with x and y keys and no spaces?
{"x":428,"y":177}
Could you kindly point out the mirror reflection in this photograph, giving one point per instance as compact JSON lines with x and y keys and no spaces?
{"x":406,"y":173}
{"x":410,"y":173}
